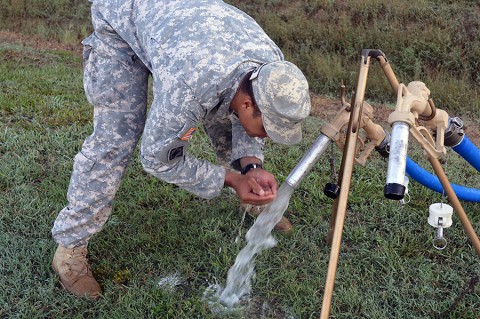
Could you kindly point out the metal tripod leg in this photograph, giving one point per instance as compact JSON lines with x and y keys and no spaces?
{"x":338,"y":215}
{"x":340,"y":205}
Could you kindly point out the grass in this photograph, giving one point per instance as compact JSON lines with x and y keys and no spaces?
{"x":387,"y":267}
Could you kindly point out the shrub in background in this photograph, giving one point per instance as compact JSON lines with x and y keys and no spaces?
{"x":432,"y":41}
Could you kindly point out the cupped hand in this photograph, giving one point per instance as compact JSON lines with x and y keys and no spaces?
{"x":257,"y":187}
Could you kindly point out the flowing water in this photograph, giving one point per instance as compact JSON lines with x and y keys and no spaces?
{"x":258,"y":238}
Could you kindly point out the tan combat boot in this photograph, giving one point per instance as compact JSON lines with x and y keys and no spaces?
{"x":75,"y":275}
{"x":283,"y":226}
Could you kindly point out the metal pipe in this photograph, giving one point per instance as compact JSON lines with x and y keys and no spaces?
{"x":308,"y":160}
{"x":387,"y":70}
{"x":397,"y":161}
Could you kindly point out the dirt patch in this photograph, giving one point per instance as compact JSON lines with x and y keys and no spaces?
{"x":36,"y":42}
{"x":322,"y":107}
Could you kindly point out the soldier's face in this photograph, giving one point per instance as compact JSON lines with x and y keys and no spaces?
{"x":252,"y":124}
{"x":254,"y":127}
{"x":243,"y":107}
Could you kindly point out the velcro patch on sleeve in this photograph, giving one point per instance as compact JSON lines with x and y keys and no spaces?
{"x":175,"y":152}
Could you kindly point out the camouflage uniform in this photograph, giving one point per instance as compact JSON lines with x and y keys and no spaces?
{"x":197,"y":52}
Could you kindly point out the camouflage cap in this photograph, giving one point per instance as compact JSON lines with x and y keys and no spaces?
{"x":281,"y":93}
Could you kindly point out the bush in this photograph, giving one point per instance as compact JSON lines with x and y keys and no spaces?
{"x":431,"y":41}
{"x":427,"y":40}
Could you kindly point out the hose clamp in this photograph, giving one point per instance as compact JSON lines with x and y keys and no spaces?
{"x":454,"y":133}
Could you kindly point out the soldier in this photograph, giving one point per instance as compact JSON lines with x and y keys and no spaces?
{"x":211,"y":64}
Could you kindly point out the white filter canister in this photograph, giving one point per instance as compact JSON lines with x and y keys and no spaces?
{"x":438,"y":210}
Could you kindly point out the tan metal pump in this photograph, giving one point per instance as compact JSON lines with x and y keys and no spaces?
{"x":413,"y":105}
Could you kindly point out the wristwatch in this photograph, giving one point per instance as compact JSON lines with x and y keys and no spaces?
{"x":248,"y":167}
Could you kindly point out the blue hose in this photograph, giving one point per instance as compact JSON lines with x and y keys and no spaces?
{"x":431,"y":181}
{"x":469,"y":152}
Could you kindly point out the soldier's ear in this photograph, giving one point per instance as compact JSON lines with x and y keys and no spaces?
{"x":247,"y":103}
{"x":242,"y":102}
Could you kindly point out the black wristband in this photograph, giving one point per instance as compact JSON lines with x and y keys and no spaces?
{"x":248,"y":167}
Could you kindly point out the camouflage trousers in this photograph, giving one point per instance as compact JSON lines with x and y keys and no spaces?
{"x":116,"y":83}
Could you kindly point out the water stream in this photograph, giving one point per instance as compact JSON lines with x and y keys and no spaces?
{"x":259,"y":237}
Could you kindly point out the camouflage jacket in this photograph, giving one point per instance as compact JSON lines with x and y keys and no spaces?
{"x":197,"y":51}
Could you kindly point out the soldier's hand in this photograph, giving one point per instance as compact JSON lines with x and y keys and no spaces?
{"x":257,"y":187}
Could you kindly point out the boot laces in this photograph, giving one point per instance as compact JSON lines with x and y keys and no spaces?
{"x":78,"y":263}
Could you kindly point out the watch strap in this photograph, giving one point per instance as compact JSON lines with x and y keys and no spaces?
{"x":249,"y":167}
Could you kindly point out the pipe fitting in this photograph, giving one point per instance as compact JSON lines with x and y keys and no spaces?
{"x":384,"y":147}
{"x":454,"y":133}
{"x":308,"y":161}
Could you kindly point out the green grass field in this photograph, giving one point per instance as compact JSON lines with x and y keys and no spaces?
{"x":388,"y":267}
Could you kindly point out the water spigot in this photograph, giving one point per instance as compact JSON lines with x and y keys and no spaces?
{"x":412,"y":101}
{"x":308,"y":161}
